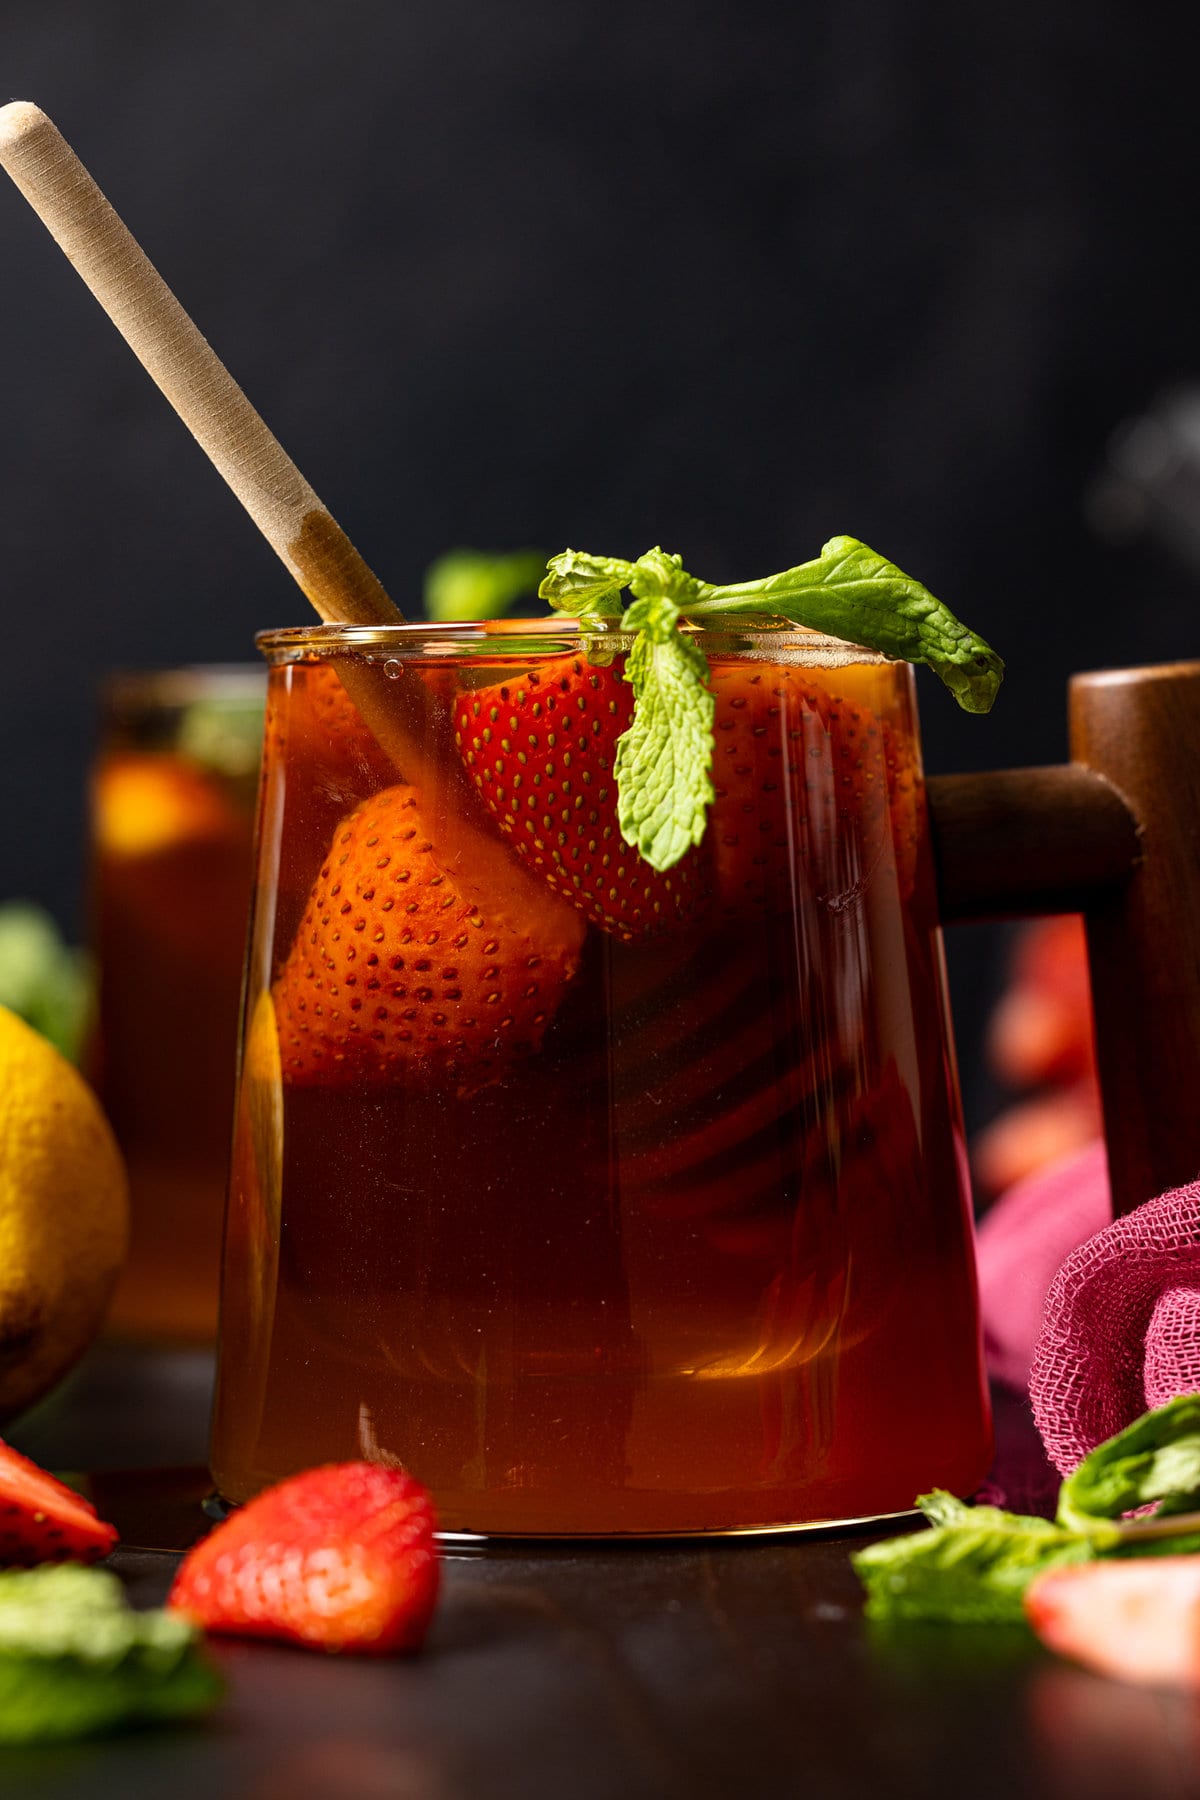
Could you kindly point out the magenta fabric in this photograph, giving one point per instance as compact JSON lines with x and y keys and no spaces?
{"x":1121,"y":1331}
{"x":1023,"y":1240}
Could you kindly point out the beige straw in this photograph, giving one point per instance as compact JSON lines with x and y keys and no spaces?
{"x":138,"y":301}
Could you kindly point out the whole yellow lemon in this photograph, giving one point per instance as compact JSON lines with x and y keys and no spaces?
{"x":64,"y":1214}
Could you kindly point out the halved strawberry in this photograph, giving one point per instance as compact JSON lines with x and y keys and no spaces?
{"x":338,"y":1558}
{"x":803,"y":777}
{"x":1138,"y":1620}
{"x":41,"y":1520}
{"x":425,"y":951}
{"x":540,"y":749}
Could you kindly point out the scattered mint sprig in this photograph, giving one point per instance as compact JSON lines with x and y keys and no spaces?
{"x":664,"y":759}
{"x":976,"y":1563}
{"x":77,"y":1660}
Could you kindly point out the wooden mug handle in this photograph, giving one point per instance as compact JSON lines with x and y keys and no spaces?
{"x":1115,"y":835}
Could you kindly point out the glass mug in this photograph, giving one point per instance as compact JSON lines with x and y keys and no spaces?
{"x":171,"y":855}
{"x":604,"y":1201}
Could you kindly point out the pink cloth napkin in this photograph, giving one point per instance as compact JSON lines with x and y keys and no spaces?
{"x":1022,"y":1241}
{"x":1121,"y":1330}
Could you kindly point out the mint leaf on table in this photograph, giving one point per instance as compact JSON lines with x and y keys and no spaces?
{"x":477,"y":584}
{"x":1156,"y":1459}
{"x":972,"y":1568}
{"x":849,"y":591}
{"x":42,"y":980}
{"x":77,"y":1660}
{"x":976,"y":1562}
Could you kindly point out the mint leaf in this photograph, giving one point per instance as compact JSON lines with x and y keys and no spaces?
{"x":848,"y":591}
{"x":52,"y":1702}
{"x":473,"y":584}
{"x":586,"y":586}
{"x":75,"y":1659}
{"x":659,"y":572}
{"x":1157,"y":1458}
{"x":972,"y":1569}
{"x":41,"y":979}
{"x":977,"y":1561}
{"x":852,"y":592}
{"x":663,"y":759}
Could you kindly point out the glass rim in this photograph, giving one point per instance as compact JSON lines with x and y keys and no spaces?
{"x":552,"y":635}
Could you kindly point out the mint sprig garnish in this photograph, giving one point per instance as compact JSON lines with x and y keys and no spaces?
{"x":76,"y":1659}
{"x":977,"y":1561}
{"x":664,"y":759}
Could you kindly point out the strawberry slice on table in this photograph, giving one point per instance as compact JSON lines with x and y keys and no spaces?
{"x":337,"y":1558}
{"x":540,"y":749}
{"x":41,"y":1520}
{"x":425,"y":951}
{"x":1138,"y":1620}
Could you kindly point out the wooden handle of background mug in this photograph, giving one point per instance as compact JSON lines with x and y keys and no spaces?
{"x":1114,"y":834}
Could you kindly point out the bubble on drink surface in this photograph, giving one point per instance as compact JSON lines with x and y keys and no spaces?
{"x":393,"y":669}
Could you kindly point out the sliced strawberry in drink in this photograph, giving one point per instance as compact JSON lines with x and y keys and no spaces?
{"x":339,"y":1558}
{"x":42,"y":1520}
{"x":425,"y":951}
{"x":540,"y":749}
{"x":1138,"y":1620}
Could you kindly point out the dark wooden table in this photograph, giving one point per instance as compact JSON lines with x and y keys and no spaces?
{"x":598,"y":1673}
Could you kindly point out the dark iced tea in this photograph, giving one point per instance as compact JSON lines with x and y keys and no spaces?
{"x":604,"y":1200}
{"x":173,"y":794}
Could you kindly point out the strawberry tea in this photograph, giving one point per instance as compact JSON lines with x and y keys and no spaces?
{"x":602,"y":1197}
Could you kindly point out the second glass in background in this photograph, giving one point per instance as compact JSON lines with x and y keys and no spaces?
{"x":172,"y":822}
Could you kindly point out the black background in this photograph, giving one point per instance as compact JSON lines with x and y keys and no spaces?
{"x":729,"y":277}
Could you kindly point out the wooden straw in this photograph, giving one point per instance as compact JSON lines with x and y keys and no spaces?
{"x":161,"y":335}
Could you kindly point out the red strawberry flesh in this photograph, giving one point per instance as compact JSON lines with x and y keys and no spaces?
{"x":426,"y":951}
{"x":339,"y":1558}
{"x":540,"y":749}
{"x":800,"y":775}
{"x":42,"y":1520}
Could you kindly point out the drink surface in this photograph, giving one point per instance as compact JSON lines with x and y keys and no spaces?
{"x":171,"y":864}
{"x":604,"y":1201}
